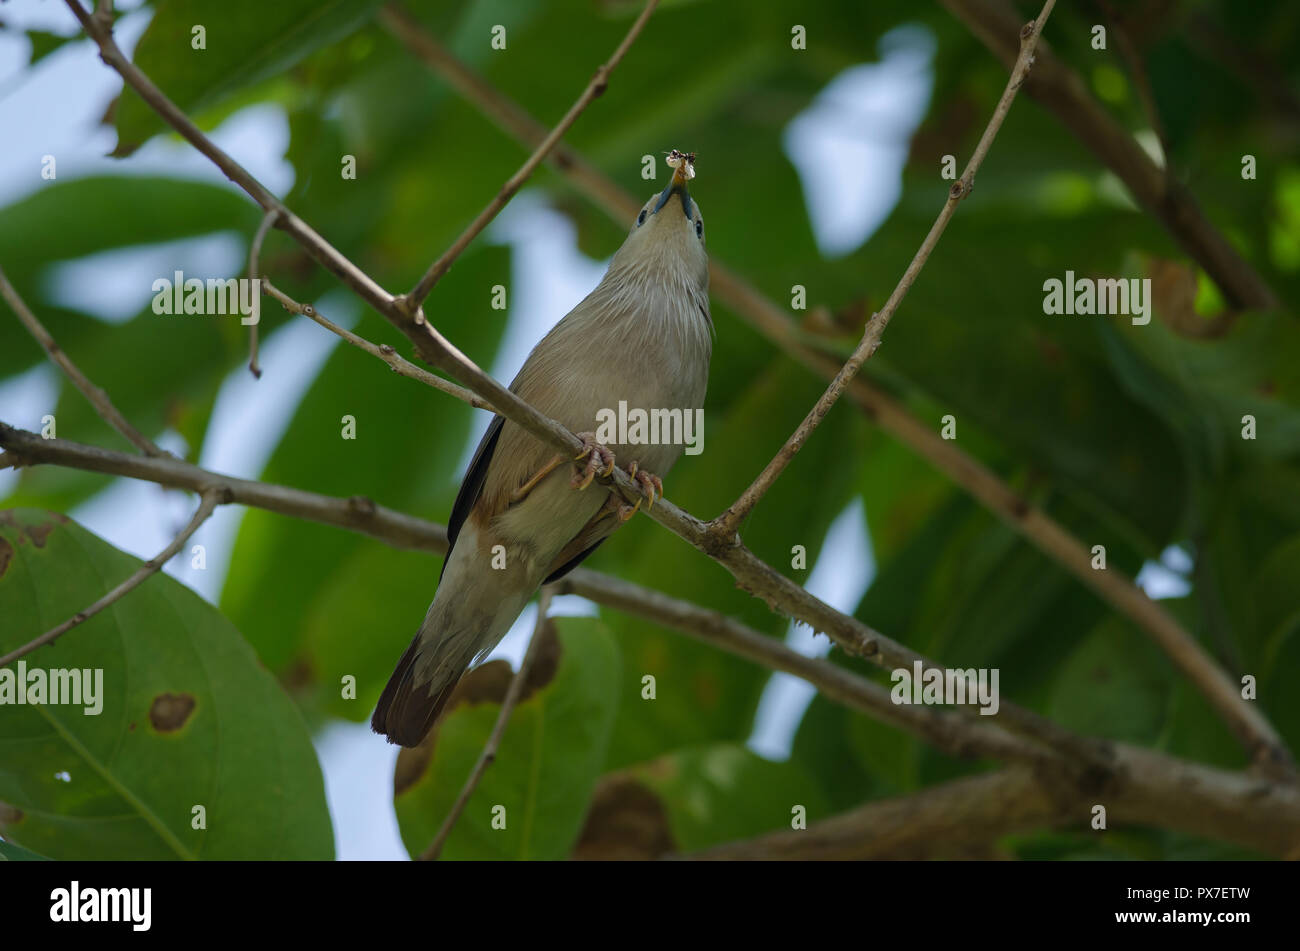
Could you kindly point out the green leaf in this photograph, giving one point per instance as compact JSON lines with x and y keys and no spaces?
{"x":249,"y":41}
{"x":545,"y":770}
{"x":188,"y":718}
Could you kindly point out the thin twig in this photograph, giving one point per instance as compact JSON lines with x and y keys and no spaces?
{"x":207,"y":503}
{"x":594,"y":89}
{"x":489,"y":754}
{"x":726,"y":524}
{"x":254,"y":274}
{"x":104,"y":13}
{"x":383,"y":351}
{"x":97,"y":397}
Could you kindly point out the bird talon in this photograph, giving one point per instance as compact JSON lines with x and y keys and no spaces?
{"x":650,"y":484}
{"x":596,"y":456}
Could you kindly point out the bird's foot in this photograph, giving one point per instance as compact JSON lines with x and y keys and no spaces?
{"x":651,"y":485}
{"x":599,"y":461}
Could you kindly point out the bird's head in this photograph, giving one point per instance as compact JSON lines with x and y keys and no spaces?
{"x":668,"y":234}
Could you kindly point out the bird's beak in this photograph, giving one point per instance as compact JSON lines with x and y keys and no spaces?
{"x":676,"y":187}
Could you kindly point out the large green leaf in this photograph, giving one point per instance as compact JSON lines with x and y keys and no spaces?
{"x":188,"y":718}
{"x":546,"y":767}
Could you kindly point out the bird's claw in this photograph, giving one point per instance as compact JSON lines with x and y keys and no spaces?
{"x":596,"y":456}
{"x":651,"y":485}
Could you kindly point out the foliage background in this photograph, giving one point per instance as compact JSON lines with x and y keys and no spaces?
{"x":1130,"y":436}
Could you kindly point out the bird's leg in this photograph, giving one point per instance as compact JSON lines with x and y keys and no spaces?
{"x":651,"y":485}
{"x":521,"y":493}
{"x":597,"y":456}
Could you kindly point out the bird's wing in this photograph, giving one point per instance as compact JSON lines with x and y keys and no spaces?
{"x":572,"y":563}
{"x":472,"y":487}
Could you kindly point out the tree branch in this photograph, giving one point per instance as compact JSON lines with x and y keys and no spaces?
{"x":207,"y":503}
{"x":1263,"y":743}
{"x":974,"y":812}
{"x":727,"y":523}
{"x":97,"y":397}
{"x":489,"y":754}
{"x":1060,"y":89}
{"x":594,"y":89}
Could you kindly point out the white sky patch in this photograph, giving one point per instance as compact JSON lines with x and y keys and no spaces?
{"x":849,"y":146}
{"x":840,"y":577}
{"x":359,"y":790}
{"x":1168,"y":577}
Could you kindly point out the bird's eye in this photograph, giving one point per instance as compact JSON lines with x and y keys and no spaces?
{"x":699,"y":227}
{"x":640,"y":219}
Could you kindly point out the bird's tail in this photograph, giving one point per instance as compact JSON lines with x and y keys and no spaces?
{"x":409,"y":705}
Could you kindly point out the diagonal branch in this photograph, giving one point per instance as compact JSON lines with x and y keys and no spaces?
{"x":97,"y":397}
{"x":727,"y":523}
{"x":207,"y":503}
{"x":1252,"y":729}
{"x":489,"y":754}
{"x":594,"y":89}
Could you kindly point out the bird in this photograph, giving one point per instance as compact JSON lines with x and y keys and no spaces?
{"x":524,"y":516}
